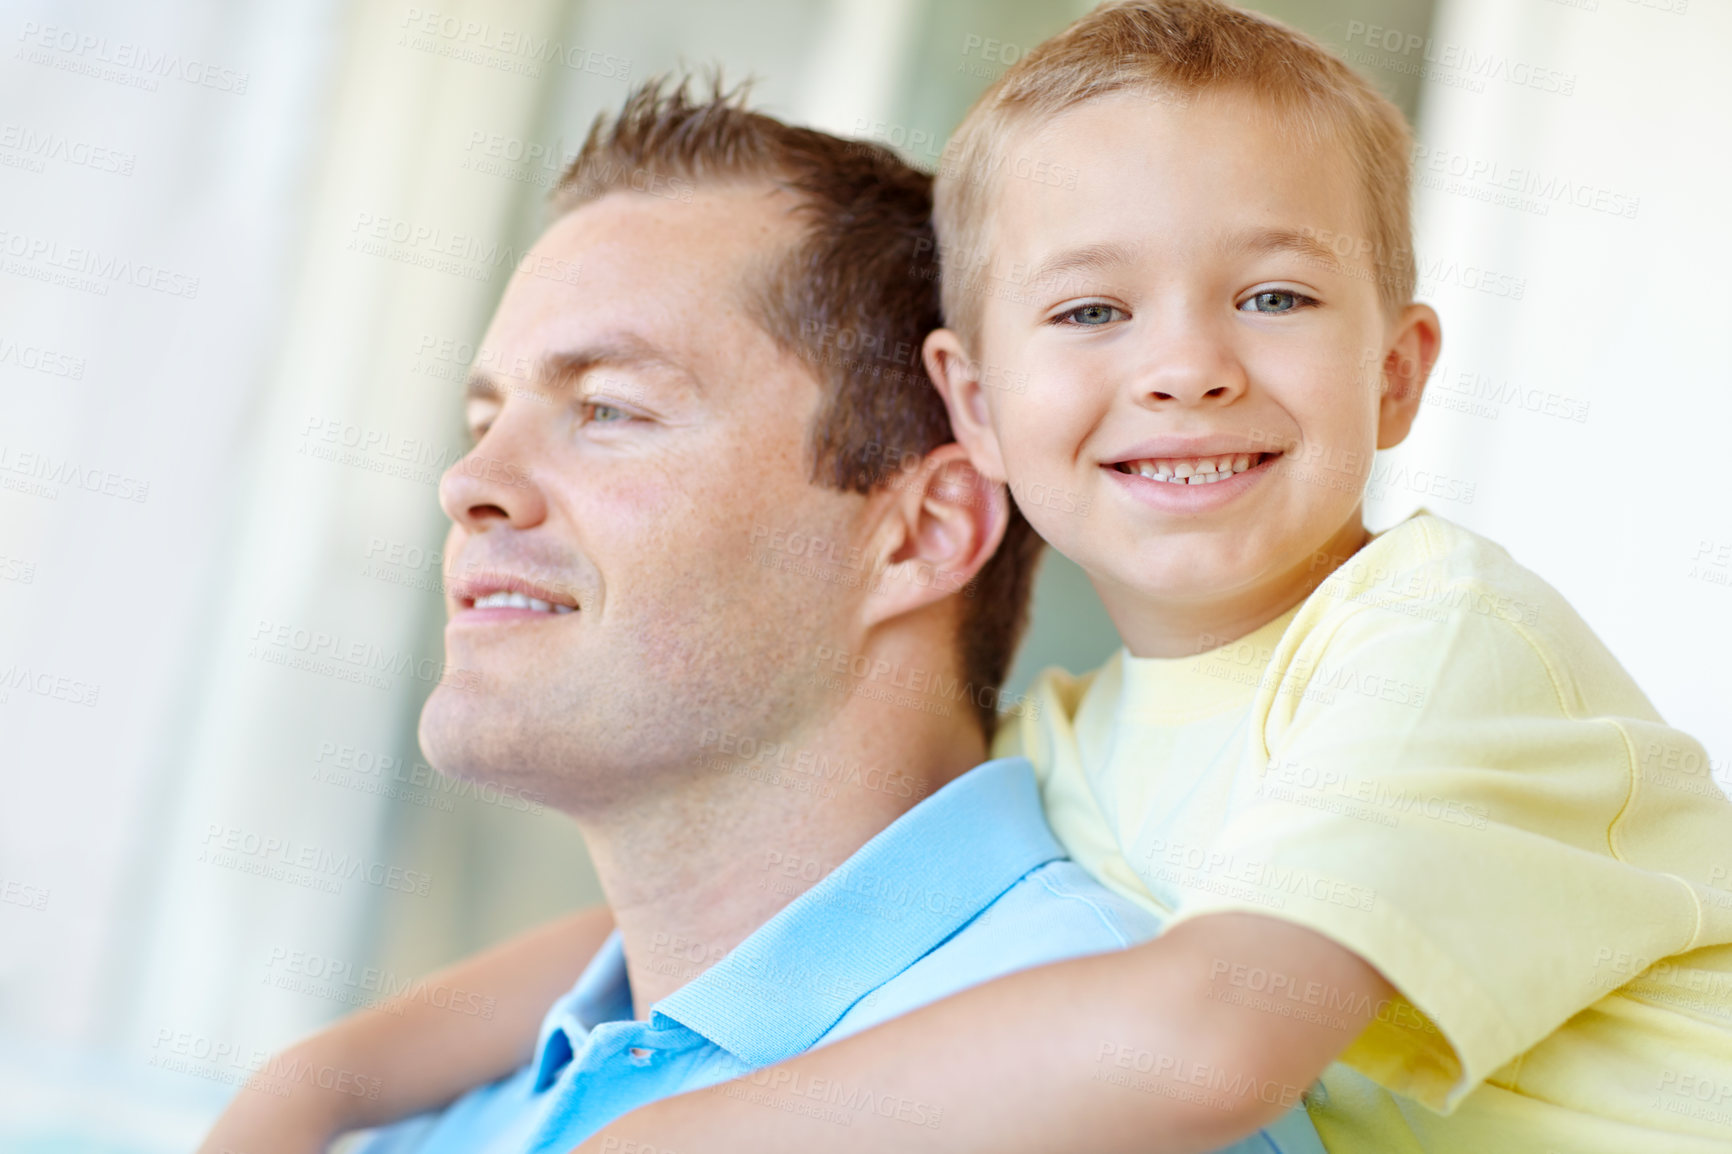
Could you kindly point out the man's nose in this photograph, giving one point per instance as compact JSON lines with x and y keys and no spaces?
{"x":493,"y":484}
{"x":1188,"y":363}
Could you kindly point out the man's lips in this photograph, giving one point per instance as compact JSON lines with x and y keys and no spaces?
{"x":495,"y":596}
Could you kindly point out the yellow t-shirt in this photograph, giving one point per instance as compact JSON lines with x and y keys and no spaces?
{"x":1434,"y":762}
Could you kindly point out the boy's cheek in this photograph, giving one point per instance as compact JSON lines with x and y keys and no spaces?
{"x":1034,"y":450}
{"x":1012,"y":408}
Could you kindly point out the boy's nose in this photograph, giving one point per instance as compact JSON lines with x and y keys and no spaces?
{"x":1192,"y":370}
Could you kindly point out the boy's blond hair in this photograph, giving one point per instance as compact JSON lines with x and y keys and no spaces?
{"x":1175,"y":49}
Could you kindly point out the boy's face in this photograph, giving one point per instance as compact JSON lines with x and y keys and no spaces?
{"x":1161,"y":313}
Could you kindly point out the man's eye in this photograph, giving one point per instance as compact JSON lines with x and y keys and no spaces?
{"x":1092,"y":315}
{"x":606,"y":414}
{"x":1275,"y":301}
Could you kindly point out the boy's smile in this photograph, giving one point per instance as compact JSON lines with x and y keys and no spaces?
{"x":1209,"y":365}
{"x":1181,"y":476}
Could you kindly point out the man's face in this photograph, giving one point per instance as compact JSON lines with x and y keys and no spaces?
{"x":1177,"y":322}
{"x":648,"y":427}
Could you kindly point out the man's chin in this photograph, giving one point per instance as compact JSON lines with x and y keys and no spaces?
{"x":464,"y":734}
{"x":509,"y":739}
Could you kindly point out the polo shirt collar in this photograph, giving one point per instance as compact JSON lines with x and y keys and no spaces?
{"x":922,"y":878}
{"x":918,"y":881}
{"x":602,"y":994}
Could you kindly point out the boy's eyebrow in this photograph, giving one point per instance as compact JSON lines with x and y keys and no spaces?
{"x":1262,"y":241}
{"x":1087,"y":258}
{"x":1257,"y":241}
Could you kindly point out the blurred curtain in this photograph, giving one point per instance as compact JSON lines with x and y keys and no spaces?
{"x":152,"y":169}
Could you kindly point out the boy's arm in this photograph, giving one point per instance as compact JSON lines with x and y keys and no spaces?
{"x":415,"y":1054}
{"x":1138,"y":1050}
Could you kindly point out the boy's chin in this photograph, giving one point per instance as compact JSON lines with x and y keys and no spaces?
{"x":1200,"y":582}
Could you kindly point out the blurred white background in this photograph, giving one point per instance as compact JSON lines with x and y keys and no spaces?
{"x":247,"y":249}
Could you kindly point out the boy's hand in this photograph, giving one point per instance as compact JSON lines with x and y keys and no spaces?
{"x":1144,"y":1050}
{"x":414,"y":1052}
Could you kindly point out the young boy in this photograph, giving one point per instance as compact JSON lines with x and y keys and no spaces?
{"x":1414,"y":832}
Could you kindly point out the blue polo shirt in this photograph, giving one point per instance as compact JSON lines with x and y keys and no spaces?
{"x":968,"y":885}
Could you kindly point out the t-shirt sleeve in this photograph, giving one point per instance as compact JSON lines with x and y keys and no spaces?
{"x":1438,"y":798}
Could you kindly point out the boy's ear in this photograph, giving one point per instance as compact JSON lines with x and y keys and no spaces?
{"x":959,"y":382}
{"x":1406,"y":365}
{"x":940,"y":522}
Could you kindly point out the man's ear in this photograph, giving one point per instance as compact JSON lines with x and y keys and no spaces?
{"x":941,"y":521}
{"x":1406,"y":365}
{"x":959,"y":382}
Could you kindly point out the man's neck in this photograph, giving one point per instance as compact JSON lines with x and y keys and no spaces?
{"x":692,"y":874}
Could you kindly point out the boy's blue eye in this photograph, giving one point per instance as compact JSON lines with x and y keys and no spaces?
{"x":1092,"y":315}
{"x":1274,"y":301}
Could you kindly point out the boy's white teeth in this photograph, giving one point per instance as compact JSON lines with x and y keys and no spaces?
{"x":513,"y":600}
{"x":1196,"y":470}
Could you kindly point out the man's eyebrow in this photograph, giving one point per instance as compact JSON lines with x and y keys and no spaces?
{"x":480,"y":386}
{"x":1087,"y":258}
{"x":560,"y":370}
{"x":1264,"y":241}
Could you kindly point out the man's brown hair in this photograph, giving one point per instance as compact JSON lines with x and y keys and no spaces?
{"x":854,"y":297}
{"x":1174,"y":50}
